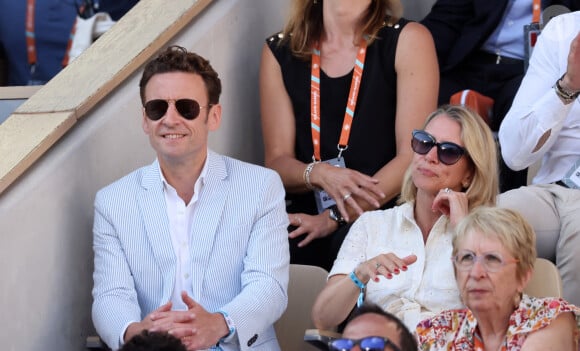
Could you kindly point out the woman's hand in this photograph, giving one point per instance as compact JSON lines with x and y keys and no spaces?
{"x":385,"y":265}
{"x":453,"y":204}
{"x":347,"y":187}
{"x":314,"y":227}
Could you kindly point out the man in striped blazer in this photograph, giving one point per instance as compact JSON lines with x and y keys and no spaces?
{"x":194,"y":244}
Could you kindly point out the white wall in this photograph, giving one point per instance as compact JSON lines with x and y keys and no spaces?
{"x":46,"y":217}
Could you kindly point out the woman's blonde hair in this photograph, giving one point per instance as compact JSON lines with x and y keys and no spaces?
{"x":481,"y":152}
{"x":305,"y":24}
{"x":505,"y":225}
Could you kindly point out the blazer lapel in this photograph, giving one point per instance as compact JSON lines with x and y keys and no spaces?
{"x":208,"y":215}
{"x":154,"y":213}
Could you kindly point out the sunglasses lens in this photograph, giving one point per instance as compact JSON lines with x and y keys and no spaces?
{"x":155,"y":109}
{"x":449,"y":153}
{"x":421,"y":142}
{"x":187,"y":108}
{"x":341,"y":345}
{"x":372,"y":343}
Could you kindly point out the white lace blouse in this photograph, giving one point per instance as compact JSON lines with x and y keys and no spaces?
{"x":427,"y":287}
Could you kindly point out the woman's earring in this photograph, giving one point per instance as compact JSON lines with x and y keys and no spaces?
{"x":315,"y":2}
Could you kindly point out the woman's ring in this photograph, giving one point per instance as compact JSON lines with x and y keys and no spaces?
{"x":377,"y":265}
{"x":345,"y":197}
{"x":299,"y":220}
{"x":447,"y":190}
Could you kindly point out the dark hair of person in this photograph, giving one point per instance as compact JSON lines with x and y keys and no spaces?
{"x":153,"y":341}
{"x":178,"y":59}
{"x":305,"y":25}
{"x":407,"y":340}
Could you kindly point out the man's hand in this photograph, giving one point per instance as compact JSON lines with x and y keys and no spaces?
{"x":571,"y":80}
{"x":196,"y":327}
{"x":146,"y":324}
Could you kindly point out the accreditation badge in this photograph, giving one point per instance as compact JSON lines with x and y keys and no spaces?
{"x":572,"y":178}
{"x":323,"y":200}
{"x":531,"y":33}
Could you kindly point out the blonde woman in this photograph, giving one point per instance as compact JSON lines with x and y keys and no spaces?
{"x":399,"y":258}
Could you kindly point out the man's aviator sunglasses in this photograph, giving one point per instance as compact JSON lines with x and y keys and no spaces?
{"x":447,"y":153}
{"x":371,"y":343}
{"x":187,"y":108}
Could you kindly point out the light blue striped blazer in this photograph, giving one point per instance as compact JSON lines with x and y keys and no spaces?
{"x":239,"y":258}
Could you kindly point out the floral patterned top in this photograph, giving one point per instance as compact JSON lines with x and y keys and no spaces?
{"x":456,"y":329}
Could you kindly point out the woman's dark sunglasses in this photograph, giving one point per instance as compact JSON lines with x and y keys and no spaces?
{"x":447,"y":153}
{"x":371,"y":343}
{"x":187,"y":108}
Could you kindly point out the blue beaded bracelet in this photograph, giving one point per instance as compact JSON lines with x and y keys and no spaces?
{"x":361,"y":286}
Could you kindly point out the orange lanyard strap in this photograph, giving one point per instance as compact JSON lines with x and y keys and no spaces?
{"x":350,"y":105}
{"x":30,"y":40}
{"x":536,"y":10}
{"x":31,"y":37}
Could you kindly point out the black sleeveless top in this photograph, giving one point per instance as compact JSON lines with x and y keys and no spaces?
{"x":372,"y":141}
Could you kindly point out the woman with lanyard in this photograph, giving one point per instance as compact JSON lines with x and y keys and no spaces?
{"x":341,"y":88}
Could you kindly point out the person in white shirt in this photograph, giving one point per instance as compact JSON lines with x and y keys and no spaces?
{"x":194,"y":244}
{"x":400,"y":258}
{"x":543,"y":125}
{"x":481,"y":46}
